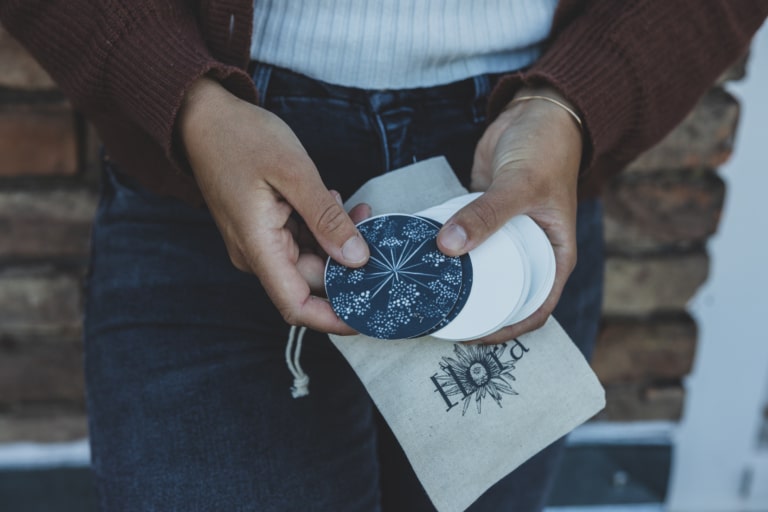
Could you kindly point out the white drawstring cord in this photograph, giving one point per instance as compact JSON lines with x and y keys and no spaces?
{"x":300,"y":379}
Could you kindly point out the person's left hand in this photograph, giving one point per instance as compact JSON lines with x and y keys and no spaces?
{"x":527,"y":162}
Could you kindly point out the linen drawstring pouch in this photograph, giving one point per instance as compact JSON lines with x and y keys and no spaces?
{"x":467,"y":415}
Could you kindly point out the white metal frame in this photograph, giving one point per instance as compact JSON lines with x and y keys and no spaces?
{"x":718,"y":462}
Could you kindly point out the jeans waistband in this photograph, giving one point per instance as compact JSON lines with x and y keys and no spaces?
{"x":277,"y":81}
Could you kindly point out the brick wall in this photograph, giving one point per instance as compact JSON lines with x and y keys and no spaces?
{"x":658,"y":217}
{"x":47,"y":198}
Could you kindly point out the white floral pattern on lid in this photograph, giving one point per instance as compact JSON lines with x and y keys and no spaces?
{"x":408,"y":286}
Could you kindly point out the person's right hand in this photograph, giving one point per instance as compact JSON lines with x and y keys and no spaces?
{"x":254,"y":173}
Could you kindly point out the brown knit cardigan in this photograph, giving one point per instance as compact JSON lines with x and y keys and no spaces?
{"x":633,"y":68}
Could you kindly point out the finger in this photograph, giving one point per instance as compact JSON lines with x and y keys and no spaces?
{"x":238,"y":259}
{"x":311,"y":263}
{"x":292,"y":225}
{"x":287,"y":287}
{"x":303,"y":308}
{"x":473,"y":224}
{"x":533,"y":322}
{"x":565,"y":260}
{"x":360,"y":212}
{"x":312,"y":269}
{"x":319,"y":308}
{"x":326,"y":219}
{"x":482,"y":174}
{"x":306,"y":239}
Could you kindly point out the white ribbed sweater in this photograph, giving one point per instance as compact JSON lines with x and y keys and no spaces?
{"x":389,"y":44}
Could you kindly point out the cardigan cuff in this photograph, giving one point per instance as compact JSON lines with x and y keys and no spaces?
{"x":150,"y":69}
{"x":588,"y":71}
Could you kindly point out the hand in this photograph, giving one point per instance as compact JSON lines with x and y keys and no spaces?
{"x":254,"y":173}
{"x":527,"y":162}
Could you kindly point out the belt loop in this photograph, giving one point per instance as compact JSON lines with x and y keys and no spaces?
{"x":261,"y":74}
{"x":482,"y":90}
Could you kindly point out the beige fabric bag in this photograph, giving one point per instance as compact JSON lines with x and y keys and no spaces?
{"x":466,"y":416}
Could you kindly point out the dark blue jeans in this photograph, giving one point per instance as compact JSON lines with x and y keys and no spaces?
{"x":188,"y":392}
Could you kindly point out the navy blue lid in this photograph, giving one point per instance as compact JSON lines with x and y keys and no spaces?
{"x":407,"y":287}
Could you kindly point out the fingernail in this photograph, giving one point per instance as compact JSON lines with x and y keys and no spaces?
{"x":354,"y":250}
{"x":337,"y":196}
{"x":453,"y":238}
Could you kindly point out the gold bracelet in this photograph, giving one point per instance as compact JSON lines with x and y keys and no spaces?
{"x":574,"y":115}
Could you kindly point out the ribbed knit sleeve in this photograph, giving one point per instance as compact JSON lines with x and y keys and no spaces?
{"x":122,"y":63}
{"x":635,"y":68}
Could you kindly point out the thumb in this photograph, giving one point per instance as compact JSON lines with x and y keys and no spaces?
{"x":473,"y":224}
{"x":329,"y":223}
